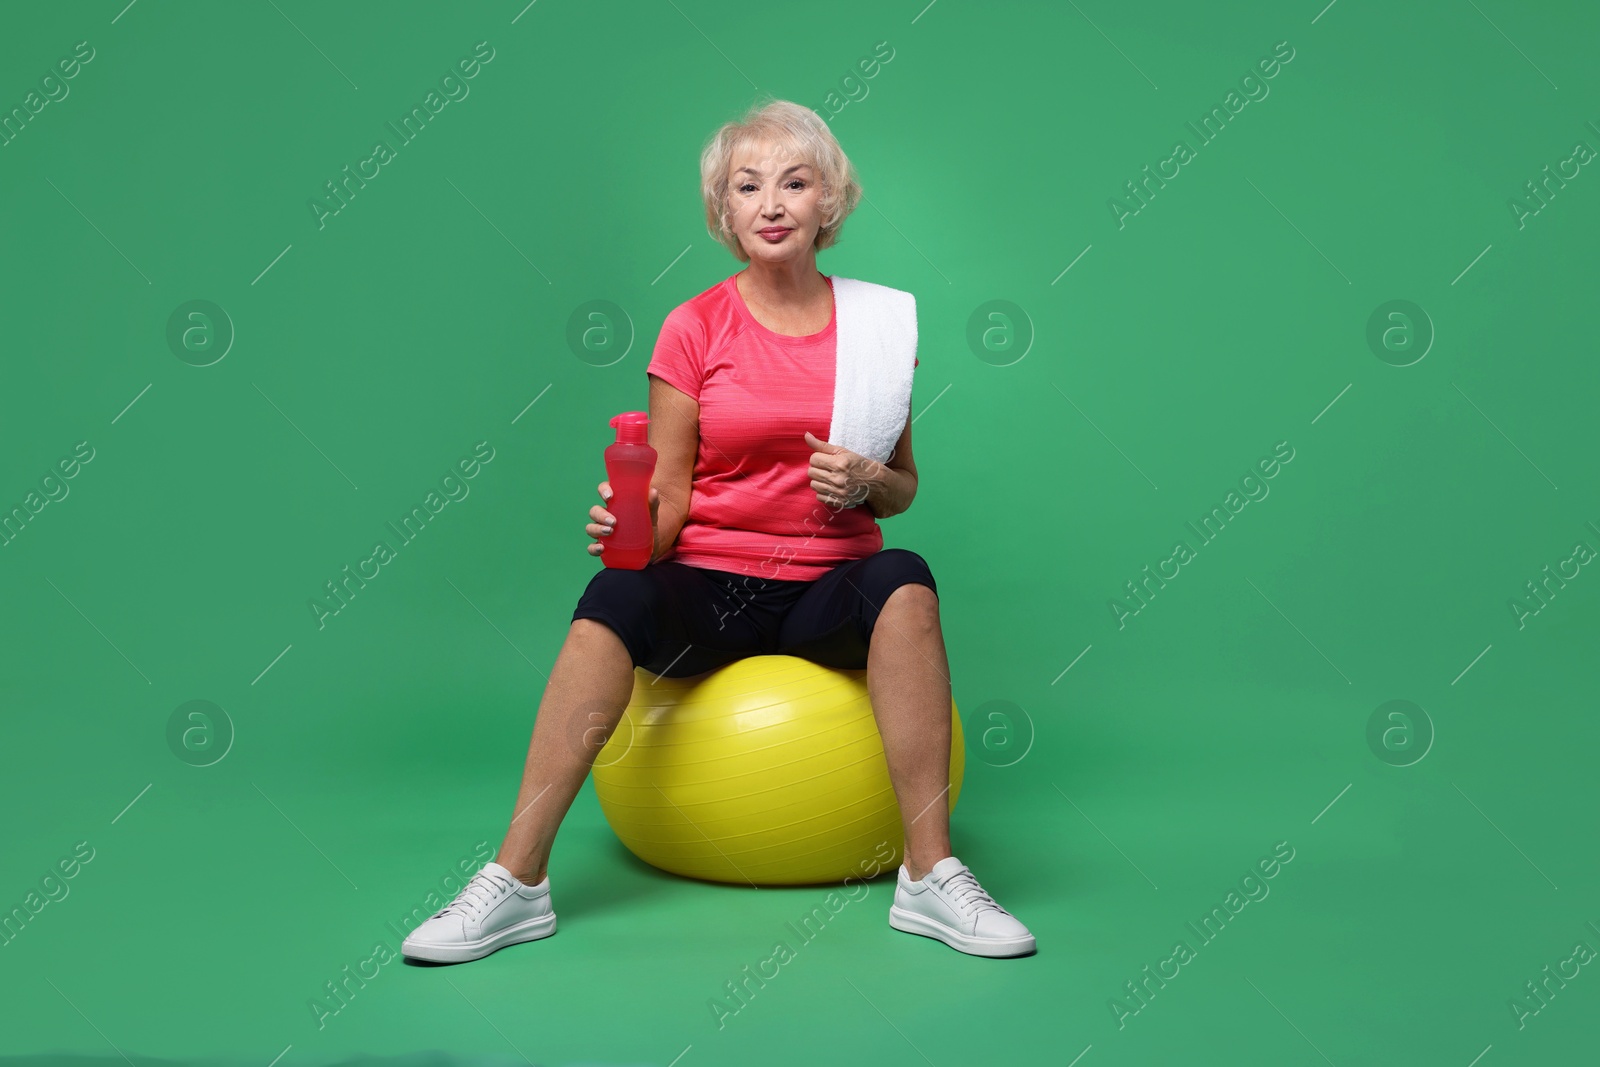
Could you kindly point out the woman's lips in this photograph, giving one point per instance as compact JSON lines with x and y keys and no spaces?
{"x":774,"y":235}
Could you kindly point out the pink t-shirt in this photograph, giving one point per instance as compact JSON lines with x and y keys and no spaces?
{"x":752,"y":509}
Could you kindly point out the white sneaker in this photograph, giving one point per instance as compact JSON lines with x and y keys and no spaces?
{"x":949,"y":905}
{"x":492,"y":911}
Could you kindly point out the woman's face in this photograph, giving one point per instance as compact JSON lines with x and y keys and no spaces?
{"x":772,"y":203}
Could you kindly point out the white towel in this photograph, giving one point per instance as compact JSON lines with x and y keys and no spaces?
{"x":876,"y":329}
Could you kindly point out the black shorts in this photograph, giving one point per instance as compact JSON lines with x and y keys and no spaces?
{"x":677,"y":620}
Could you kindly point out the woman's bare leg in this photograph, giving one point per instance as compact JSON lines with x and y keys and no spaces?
{"x":589,"y":687}
{"x":908,"y":678}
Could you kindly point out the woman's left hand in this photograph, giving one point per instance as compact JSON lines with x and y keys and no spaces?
{"x":842,"y":478}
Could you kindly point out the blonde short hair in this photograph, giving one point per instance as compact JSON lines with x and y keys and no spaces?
{"x":800,"y":131}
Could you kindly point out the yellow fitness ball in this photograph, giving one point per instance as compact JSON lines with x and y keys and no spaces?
{"x":767,"y":771}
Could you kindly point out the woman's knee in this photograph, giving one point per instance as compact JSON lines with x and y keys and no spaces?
{"x":896,"y":568}
{"x":623,"y":603}
{"x":913,"y":607}
{"x":594,"y":628}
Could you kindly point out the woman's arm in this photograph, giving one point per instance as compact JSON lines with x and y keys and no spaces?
{"x":895,"y":486}
{"x":675,"y":435}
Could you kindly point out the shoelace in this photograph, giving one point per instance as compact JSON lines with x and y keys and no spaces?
{"x":968,"y":895}
{"x":476,"y":895}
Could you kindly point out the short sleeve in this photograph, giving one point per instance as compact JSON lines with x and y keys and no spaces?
{"x":679,"y":356}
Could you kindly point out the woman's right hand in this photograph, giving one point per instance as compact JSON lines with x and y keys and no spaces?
{"x":603,"y":523}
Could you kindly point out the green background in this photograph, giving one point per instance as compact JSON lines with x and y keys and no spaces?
{"x":1108,"y":805}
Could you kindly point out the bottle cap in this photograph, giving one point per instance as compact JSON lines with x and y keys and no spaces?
{"x":633,"y":427}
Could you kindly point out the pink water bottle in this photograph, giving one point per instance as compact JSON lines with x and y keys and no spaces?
{"x":630,"y":464}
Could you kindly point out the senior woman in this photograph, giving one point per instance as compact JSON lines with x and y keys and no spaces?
{"x":741,"y":393}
